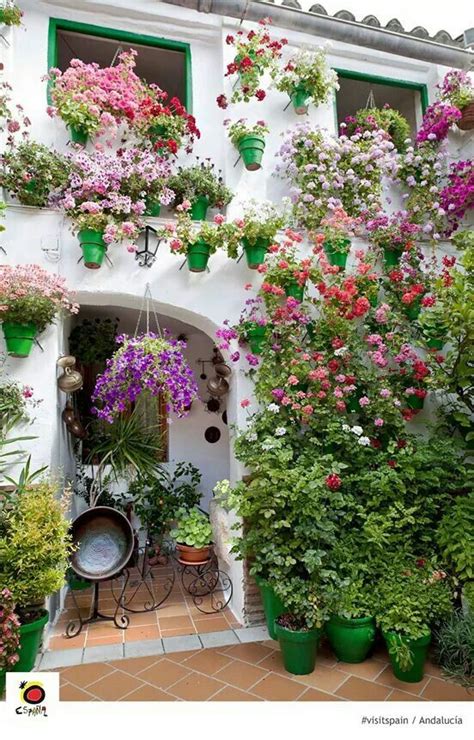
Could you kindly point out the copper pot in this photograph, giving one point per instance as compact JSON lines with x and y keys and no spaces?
{"x":223,"y":370}
{"x":192,"y":555}
{"x":71,"y":379}
{"x":218,"y":386}
{"x":68,"y":415}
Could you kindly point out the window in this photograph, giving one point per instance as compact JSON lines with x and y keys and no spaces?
{"x":358,"y":90}
{"x":159,"y":61}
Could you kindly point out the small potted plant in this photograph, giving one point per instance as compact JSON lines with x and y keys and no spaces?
{"x":249,"y":140}
{"x":257,"y":230}
{"x":199,"y":239}
{"x":387,"y":119}
{"x":32,"y":173}
{"x":253,"y":325}
{"x":30,"y":298}
{"x":394,"y":235}
{"x":410,"y":597}
{"x":285,"y":269}
{"x":164,"y":124}
{"x":273,"y":606}
{"x":201,"y":186}
{"x":145,"y":178}
{"x":457,"y":88}
{"x":35,"y":546}
{"x":351,"y":628}
{"x":306,"y":76}
{"x":434,"y":326}
{"x":9,"y":636}
{"x":338,"y":228}
{"x":193,"y":536}
{"x":10,"y":13}
{"x":299,"y":629}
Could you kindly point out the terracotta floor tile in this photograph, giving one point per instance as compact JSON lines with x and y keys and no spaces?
{"x":115,"y":686}
{"x":326,"y":679}
{"x":274,"y":662}
{"x":148,"y":693}
{"x":83,"y":675}
{"x":278,"y":688}
{"x":274,"y":644}
{"x":211,"y":625}
{"x":240,"y":674}
{"x":251,"y":652}
{"x":196,"y":687}
{"x":208,"y":662}
{"x":66,"y":643}
{"x":315,"y":695}
{"x":398,"y":695}
{"x":231,"y":694}
{"x":438,"y":690}
{"x":174,"y":623}
{"x":164,"y":673}
{"x":135,"y":665}
{"x":182,"y":656}
{"x":431,"y":669}
{"x":179,"y":632}
{"x":137,"y":620}
{"x":172,"y":610}
{"x":112,"y":639}
{"x":72,"y":693}
{"x":369,"y":669}
{"x":145,"y":632}
{"x":358,"y":689}
{"x":388,"y":679}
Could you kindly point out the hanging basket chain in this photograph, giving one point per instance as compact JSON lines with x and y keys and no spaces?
{"x":146,"y":307}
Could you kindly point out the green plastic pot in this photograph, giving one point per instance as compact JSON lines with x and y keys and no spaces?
{"x":434,"y":343}
{"x":373,"y":300}
{"x":199,"y":208}
{"x":78,"y":135}
{"x":256,"y":338}
{"x":352,"y":404}
{"x":3,"y":676}
{"x":255,"y":251}
{"x":418,"y":649}
{"x":351,"y":639}
{"x":337,"y":252}
{"x":295,"y":290}
{"x":30,"y":641}
{"x":93,"y":248}
{"x":298,"y":649}
{"x":198,"y":256}
{"x":153,"y":208}
{"x":415,"y":402}
{"x":251,"y":150}
{"x":299,"y":98}
{"x":272,"y":605}
{"x":19,"y":338}
{"x":391,"y":257}
{"x":413,"y":310}
{"x":156,"y":132}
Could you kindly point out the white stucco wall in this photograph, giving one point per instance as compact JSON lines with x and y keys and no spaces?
{"x":201,"y":300}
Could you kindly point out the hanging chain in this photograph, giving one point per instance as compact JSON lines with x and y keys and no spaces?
{"x":148,"y":306}
{"x":370,"y":100}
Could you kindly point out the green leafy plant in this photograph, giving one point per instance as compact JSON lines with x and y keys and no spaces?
{"x":455,"y":647}
{"x":32,"y":172}
{"x":309,"y":71}
{"x":456,"y":537}
{"x":193,"y":528}
{"x":93,"y":340}
{"x":189,"y":183}
{"x":10,"y":13}
{"x":388,"y":119}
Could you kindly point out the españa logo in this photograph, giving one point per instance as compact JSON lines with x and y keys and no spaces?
{"x":32,"y":696}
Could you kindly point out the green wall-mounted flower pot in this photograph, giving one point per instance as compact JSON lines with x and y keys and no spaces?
{"x":337,"y":252}
{"x":255,"y":335}
{"x":199,"y":208}
{"x":78,"y":135}
{"x":153,"y":208}
{"x":415,"y":402}
{"x":295,"y":290}
{"x":3,"y":676}
{"x":251,"y":150}
{"x":391,"y":257}
{"x":255,"y":251}
{"x":298,"y":649}
{"x":352,"y":403}
{"x":30,"y":641}
{"x":19,"y":338}
{"x":418,"y":649}
{"x":351,"y":639}
{"x":299,"y":98}
{"x":412,"y":311}
{"x":93,"y":247}
{"x":198,"y":256}
{"x":272,"y":605}
{"x":434,"y":343}
{"x":373,"y":300}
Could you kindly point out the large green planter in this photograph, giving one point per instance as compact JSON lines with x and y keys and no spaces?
{"x":391,"y":257}
{"x":30,"y":641}
{"x":251,"y":150}
{"x":415,"y":402}
{"x":418,"y":649}
{"x":93,"y":248}
{"x":19,"y":338}
{"x":298,"y":649}
{"x":299,"y":98}
{"x":337,"y":252}
{"x":255,"y":335}
{"x":255,"y":251}
{"x":351,"y":639}
{"x":272,"y":605}
{"x":294,"y":290}
{"x":78,"y":135}
{"x":199,"y":208}
{"x":198,"y":256}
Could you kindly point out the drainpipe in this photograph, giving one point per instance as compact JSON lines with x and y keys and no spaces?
{"x":337,"y":29}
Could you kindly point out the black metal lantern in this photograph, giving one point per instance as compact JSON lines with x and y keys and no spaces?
{"x":147,"y":246}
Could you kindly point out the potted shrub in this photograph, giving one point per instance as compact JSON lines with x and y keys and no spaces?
{"x":32,"y":173}
{"x":299,"y":629}
{"x":253,"y":326}
{"x":387,"y":119}
{"x":410,"y":598}
{"x":145,"y":179}
{"x":306,"y":76}
{"x":30,"y":298}
{"x":338,"y":228}
{"x":10,"y":13}
{"x":273,"y":606}
{"x":199,"y":239}
{"x":287,"y":271}
{"x":257,"y":230}
{"x":458,"y":90}
{"x":193,"y":536}
{"x":351,"y":628}
{"x":455,"y":538}
{"x":34,"y":547}
{"x":201,"y":186}
{"x":164,"y":124}
{"x":249,"y":140}
{"x":434,"y":326}
{"x":9,"y":636}
{"x":393,"y":234}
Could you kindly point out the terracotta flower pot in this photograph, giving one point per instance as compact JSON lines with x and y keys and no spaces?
{"x":466,"y":122}
{"x":193,"y":555}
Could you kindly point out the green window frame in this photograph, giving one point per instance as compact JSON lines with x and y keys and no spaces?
{"x":58,"y":24}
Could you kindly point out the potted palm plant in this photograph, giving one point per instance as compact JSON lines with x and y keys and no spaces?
{"x":202,"y":186}
{"x":193,"y":536}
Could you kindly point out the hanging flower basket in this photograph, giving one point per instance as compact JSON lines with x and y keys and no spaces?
{"x":295,"y":290}
{"x":19,"y":338}
{"x":299,"y":98}
{"x":466,"y":123}
{"x":337,"y":252}
{"x":93,"y":248}
{"x":255,"y":251}
{"x":78,"y":135}
{"x":199,"y":208}
{"x":198,"y":256}
{"x":255,"y":335}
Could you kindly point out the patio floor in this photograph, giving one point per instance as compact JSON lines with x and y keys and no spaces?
{"x":248,"y":672}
